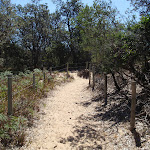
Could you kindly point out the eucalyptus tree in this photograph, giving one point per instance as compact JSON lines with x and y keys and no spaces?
{"x":7,"y":21}
{"x":142,"y":5}
{"x":7,"y":30}
{"x":34,"y":30}
{"x":57,"y":51}
{"x":69,"y":10}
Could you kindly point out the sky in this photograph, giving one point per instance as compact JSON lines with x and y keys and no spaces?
{"x":121,"y":5}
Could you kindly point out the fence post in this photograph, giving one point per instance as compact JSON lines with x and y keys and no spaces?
{"x":93,"y":71}
{"x":10,"y":109}
{"x":50,"y":70}
{"x":33,"y":81}
{"x":67,"y":69}
{"x":44,"y":77}
{"x":86,"y":65}
{"x":89,"y":74}
{"x":105,"y":88}
{"x":133,"y":106}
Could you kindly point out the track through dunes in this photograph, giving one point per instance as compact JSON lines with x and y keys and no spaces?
{"x":72,"y":120}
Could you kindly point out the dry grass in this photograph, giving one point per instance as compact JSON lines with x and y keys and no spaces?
{"x":26,"y":101}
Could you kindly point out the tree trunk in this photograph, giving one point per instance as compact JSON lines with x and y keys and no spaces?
{"x":115,"y":82}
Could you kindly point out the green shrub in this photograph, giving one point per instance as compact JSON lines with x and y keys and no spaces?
{"x":11,"y":130}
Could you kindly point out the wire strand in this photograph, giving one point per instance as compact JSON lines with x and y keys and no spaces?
{"x":21,"y":90}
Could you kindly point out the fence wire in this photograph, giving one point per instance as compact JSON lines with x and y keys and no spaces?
{"x":26,"y":80}
{"x":18,"y":92}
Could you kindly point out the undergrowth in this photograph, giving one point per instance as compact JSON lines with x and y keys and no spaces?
{"x":26,"y":102}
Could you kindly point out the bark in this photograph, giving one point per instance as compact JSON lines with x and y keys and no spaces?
{"x":115,"y":81}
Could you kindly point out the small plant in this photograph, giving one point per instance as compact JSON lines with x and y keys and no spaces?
{"x":5,"y":74}
{"x":37,"y":71}
{"x":11,"y":130}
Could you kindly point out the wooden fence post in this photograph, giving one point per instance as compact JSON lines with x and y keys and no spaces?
{"x":67,"y":69}
{"x":89,"y":74}
{"x":133,"y":106}
{"x":93,"y":71}
{"x":33,"y":81}
{"x":86,"y":65}
{"x":50,"y":70}
{"x":10,"y":109}
{"x":44,"y":77}
{"x":105,"y":88}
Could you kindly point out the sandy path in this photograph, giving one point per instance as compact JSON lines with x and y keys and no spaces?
{"x":60,"y":116}
{"x":74,"y":119}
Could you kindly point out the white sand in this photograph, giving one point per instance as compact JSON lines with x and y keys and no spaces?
{"x":60,"y":116}
{"x":69,"y":122}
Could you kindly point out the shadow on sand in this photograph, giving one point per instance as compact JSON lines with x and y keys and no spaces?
{"x":87,"y":135}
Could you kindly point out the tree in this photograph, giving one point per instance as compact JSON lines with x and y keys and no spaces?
{"x":96,"y":25}
{"x":7,"y":28}
{"x":7,"y":21}
{"x":69,"y":11}
{"x":59,"y":38}
{"x":139,"y":50}
{"x":142,"y":5}
{"x":34,"y":30}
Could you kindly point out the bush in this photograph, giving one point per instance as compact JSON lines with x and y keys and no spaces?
{"x":11,"y":130}
{"x":84,"y":73}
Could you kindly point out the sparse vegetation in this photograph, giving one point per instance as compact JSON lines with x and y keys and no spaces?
{"x":83,"y":73}
{"x":33,"y":37}
{"x":26,"y":102}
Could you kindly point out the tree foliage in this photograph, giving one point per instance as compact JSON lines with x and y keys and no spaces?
{"x":34,"y":30}
{"x":142,"y":5}
{"x":33,"y":37}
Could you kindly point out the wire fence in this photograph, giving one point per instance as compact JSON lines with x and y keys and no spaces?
{"x":128,"y":91}
{"x":125,"y":80}
{"x":14,"y":85}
